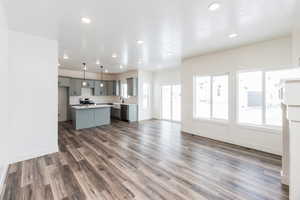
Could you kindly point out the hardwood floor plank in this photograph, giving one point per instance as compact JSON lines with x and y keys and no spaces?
{"x":150,"y":160}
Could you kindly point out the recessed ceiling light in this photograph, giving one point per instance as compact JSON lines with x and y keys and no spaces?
{"x":121,"y":66}
{"x":66,"y":57}
{"x":214,"y":6}
{"x":114,"y":55}
{"x":140,"y":42}
{"x":233,"y":35}
{"x":169,"y":54}
{"x":98,"y":62}
{"x":85,"y":20}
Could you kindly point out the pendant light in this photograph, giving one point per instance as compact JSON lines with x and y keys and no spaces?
{"x":101,"y":83}
{"x":84,"y":83}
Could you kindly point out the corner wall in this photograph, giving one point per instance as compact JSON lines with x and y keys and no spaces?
{"x":144,"y":77}
{"x":296,"y":35}
{"x":271,"y":54}
{"x":32,"y":97}
{"x":4,"y":91}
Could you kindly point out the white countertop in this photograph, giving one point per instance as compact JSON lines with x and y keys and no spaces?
{"x":91,"y":106}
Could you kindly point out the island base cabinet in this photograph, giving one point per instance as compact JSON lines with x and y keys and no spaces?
{"x":84,"y":119}
{"x":101,"y":116}
{"x":89,"y":118}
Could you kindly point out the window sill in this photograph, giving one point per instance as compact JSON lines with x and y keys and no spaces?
{"x":268,"y":129}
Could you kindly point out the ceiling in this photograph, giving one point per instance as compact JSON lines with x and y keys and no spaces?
{"x":170,"y":29}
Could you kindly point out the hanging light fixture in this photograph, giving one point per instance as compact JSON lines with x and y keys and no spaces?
{"x":84,"y":83}
{"x":101,"y":83}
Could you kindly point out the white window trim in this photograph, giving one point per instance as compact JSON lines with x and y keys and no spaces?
{"x":211,"y":118}
{"x":263,"y":126}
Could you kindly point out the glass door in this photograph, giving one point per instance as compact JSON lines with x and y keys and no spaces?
{"x":171,"y":102}
{"x":166,"y":102}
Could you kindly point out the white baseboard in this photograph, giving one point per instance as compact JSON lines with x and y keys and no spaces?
{"x":3,"y":173}
{"x":35,"y":153}
{"x":239,"y":143}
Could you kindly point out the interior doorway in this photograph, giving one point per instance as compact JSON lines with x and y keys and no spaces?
{"x":171,"y":102}
{"x":63,"y":104}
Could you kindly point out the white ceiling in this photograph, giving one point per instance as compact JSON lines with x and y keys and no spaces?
{"x":171,"y":29}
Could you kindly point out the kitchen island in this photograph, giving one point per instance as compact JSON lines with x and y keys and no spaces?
{"x":88,"y":116}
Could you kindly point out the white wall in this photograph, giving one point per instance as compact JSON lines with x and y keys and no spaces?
{"x":4,"y":92}
{"x":296,"y":35}
{"x":160,"y":78}
{"x":294,"y":162}
{"x":270,"y":54}
{"x":32,"y":97}
{"x":144,"y":77}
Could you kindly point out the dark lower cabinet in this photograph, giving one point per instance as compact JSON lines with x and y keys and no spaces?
{"x":115,"y":113}
{"x":129,"y":112}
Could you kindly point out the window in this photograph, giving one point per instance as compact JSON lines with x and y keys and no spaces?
{"x":211,"y":97}
{"x":250,"y":97}
{"x":203,"y":97}
{"x":146,"y":95}
{"x":124,"y":90}
{"x":258,"y":96}
{"x":220,"y":97}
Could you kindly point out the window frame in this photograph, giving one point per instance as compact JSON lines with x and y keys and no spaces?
{"x":263,"y":125}
{"x":212,"y":118}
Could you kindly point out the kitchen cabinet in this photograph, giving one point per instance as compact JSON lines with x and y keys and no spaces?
{"x":132,"y":87}
{"x":116,"y":113}
{"x":90,"y":117}
{"x":110,"y":88}
{"x":129,"y":112}
{"x":63,"y":82}
{"x":100,"y":91}
{"x":75,"y":87}
{"x":90,"y":83}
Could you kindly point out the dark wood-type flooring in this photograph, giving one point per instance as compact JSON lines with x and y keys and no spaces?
{"x":147,"y":160}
